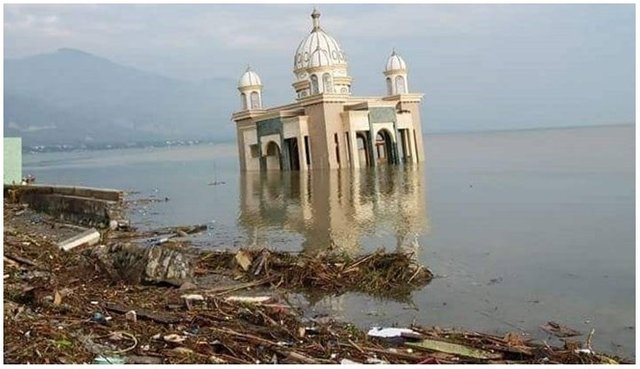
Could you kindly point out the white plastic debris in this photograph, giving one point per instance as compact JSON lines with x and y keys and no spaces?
{"x":583,"y":351}
{"x":389,"y":332}
{"x":249,"y":299}
{"x":375,"y":360}
{"x":347,"y":362}
{"x":193,"y":297}
{"x":175,"y":338}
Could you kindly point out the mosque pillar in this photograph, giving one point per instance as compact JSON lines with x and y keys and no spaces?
{"x":301,"y":153}
{"x":411,"y":144}
{"x":353,"y":149}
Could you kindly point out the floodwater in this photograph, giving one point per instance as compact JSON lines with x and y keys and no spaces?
{"x":521,"y":227}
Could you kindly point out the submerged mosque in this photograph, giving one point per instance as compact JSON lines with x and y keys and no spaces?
{"x":326,"y":127}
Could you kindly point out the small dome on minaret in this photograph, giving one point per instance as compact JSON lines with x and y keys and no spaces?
{"x":396,"y":75}
{"x":395,"y":63}
{"x":250,"y":88}
{"x":249,"y":78}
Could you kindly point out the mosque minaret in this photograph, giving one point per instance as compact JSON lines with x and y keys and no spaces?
{"x":327,"y":127}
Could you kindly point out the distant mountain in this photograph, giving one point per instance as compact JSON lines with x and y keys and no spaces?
{"x":70,"y":96}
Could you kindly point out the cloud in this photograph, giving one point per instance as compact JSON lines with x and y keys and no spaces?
{"x":481,"y":50}
{"x":47,"y":25}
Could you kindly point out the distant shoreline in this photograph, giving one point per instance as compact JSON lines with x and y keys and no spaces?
{"x":547,"y":128}
{"x":52,"y":148}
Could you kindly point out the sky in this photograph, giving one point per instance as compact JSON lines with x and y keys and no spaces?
{"x":481,"y":67}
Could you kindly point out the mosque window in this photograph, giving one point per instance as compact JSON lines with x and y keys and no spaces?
{"x":400,"y":85}
{"x":326,"y":80}
{"x":389,"y":87}
{"x":314,"y":84}
{"x":255,"y":100}
{"x":243,"y":97}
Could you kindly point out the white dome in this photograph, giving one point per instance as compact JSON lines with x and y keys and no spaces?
{"x":249,"y":78}
{"x":395,"y":62}
{"x":318,"y":39}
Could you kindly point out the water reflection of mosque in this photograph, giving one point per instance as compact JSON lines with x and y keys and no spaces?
{"x":336,"y":209}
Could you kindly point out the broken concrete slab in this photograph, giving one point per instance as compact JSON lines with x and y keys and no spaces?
{"x":135,"y":263}
{"x":89,"y":237}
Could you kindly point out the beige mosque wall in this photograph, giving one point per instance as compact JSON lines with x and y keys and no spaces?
{"x":250,"y":138}
{"x":317,"y":136}
{"x":333,"y":122}
{"x":241,"y":145}
{"x":405,"y":121}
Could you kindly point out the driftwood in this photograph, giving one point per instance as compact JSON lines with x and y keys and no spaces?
{"x":20,"y":259}
{"x":393,"y":275}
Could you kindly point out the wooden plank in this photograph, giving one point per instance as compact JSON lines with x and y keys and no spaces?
{"x":455,"y":349}
{"x":19,"y":259}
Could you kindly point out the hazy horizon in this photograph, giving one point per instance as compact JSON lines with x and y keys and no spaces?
{"x":481,"y":67}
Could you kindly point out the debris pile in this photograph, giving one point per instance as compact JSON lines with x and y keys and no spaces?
{"x":383,"y":274}
{"x":58,"y":308}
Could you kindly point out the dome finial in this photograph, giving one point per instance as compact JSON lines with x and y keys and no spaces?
{"x":394,"y":52}
{"x":316,"y":19}
{"x":248,"y":67}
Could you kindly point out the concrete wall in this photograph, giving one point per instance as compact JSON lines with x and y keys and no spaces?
{"x":12,"y":160}
{"x":250,"y":137}
{"x":334,"y":126}
{"x":317,"y":136}
{"x":242,"y":155}
{"x":80,"y":205}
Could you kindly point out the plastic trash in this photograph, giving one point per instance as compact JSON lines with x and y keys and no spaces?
{"x":390,"y":332}
{"x":348,"y":362}
{"x":98,"y":318}
{"x":174,"y":338}
{"x":116,"y":360}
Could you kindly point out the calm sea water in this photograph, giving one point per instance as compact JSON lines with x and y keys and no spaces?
{"x":521,"y":227}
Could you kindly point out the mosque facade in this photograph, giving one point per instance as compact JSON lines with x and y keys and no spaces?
{"x":326,"y":127}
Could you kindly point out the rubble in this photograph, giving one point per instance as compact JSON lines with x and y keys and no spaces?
{"x":64,"y":308}
{"x":133,"y":263}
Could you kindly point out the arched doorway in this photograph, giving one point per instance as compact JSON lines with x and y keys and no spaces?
{"x":291,"y":148}
{"x":363,"y":149}
{"x":273,"y":156}
{"x":383,"y":147}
